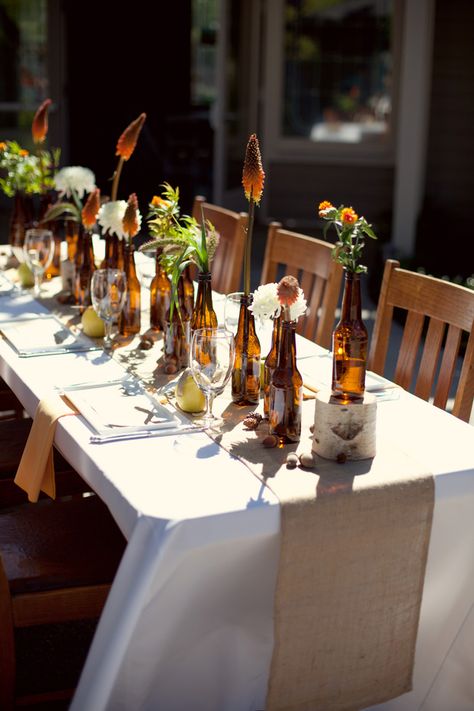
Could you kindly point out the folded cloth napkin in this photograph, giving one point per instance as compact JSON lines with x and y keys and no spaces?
{"x":36,"y":469}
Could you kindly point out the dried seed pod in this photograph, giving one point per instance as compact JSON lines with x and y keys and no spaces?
{"x":292,"y":460}
{"x":307,"y":460}
{"x":171,"y":368}
{"x":270,"y":441}
{"x":145,"y":343}
{"x":311,"y":429}
{"x":341,"y":458}
{"x":252,"y":421}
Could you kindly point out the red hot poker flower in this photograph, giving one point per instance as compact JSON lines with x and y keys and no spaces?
{"x":128,"y":140}
{"x":253,"y":175}
{"x":287,"y":290}
{"x":90,"y":209}
{"x":39,"y":127}
{"x":130,"y":218}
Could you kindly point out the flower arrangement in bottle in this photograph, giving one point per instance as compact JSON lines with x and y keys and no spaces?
{"x":350,"y":339}
{"x":130,"y":316}
{"x":246,"y":372}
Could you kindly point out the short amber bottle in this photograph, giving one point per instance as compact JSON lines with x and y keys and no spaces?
{"x":349,"y":345}
{"x":130,"y":316}
{"x":160,"y":295}
{"x":246,"y":371}
{"x":286,"y":389}
{"x":203,"y":315}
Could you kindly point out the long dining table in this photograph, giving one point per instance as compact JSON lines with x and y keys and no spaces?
{"x":188,"y":624}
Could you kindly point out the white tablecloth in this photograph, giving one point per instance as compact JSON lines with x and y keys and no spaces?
{"x":188,"y":623}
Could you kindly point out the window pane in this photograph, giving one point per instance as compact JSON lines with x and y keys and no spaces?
{"x":337,"y":69}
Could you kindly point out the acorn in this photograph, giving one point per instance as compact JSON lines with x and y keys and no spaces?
{"x":171,"y":368}
{"x":145,"y":343}
{"x":341,"y":458}
{"x":270,"y":441}
{"x":252,"y":421}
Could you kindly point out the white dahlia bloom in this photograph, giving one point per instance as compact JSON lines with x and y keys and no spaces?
{"x":81,"y":180}
{"x":110,"y":217}
{"x":299,"y":307}
{"x":265,"y":302}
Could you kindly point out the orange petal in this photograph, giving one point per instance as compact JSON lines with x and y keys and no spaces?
{"x":348,"y":215}
{"x":39,"y":127}
{"x":130,"y":220}
{"x":253,"y":175}
{"x":90,"y":209}
{"x":128,"y":140}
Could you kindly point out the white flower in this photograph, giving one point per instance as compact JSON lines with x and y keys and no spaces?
{"x":81,"y":180}
{"x":265,"y":302}
{"x":299,"y":307}
{"x":110,"y":217}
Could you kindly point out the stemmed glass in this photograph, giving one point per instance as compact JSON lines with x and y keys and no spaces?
{"x":38,"y":251}
{"x":108,"y":290}
{"x":211,"y":361}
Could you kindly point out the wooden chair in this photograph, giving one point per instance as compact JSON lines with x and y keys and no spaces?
{"x":229,"y":258}
{"x":13,"y":436}
{"x":57,"y":563}
{"x":310,"y":261}
{"x":442,"y":311}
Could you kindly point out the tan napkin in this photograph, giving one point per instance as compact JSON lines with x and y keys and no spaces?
{"x":36,"y":469}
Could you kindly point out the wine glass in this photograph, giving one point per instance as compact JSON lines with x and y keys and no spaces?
{"x":38,"y":250}
{"x":232,"y":310}
{"x":211,"y":362}
{"x":108,"y":291}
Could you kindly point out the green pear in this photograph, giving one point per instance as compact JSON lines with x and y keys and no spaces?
{"x":25,"y":275}
{"x":188,"y":396}
{"x":92,"y":325}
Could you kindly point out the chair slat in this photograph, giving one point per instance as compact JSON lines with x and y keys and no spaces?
{"x":431,"y":351}
{"x":448,"y":366}
{"x":409,"y":349}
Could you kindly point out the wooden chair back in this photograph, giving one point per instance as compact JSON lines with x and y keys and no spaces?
{"x":437,"y":314}
{"x":310,"y":261}
{"x":229,"y":258}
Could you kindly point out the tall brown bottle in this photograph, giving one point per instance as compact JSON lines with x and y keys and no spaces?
{"x":270,"y":364}
{"x":130,"y":317}
{"x":286,"y":389}
{"x":82,"y":290}
{"x":246,"y":371}
{"x":160,"y":295}
{"x":203,"y":315}
{"x":71,"y":230}
{"x":349,"y":344}
{"x":114,"y":252}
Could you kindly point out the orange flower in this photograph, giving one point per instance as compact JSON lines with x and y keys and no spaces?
{"x":287,"y":290}
{"x":130,"y":218}
{"x":349,"y":216}
{"x":3,"y":145}
{"x":90,"y":209}
{"x":128,"y":140}
{"x":323,"y":206}
{"x":157,"y":200}
{"x":23,"y":152}
{"x":253,"y":175}
{"x":39,"y":127}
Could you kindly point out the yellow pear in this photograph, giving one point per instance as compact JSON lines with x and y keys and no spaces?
{"x":188,"y":396}
{"x":25,"y":275}
{"x":92,"y":325}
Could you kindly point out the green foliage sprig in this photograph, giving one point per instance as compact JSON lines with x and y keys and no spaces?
{"x":351,"y":231}
{"x":24,"y":172}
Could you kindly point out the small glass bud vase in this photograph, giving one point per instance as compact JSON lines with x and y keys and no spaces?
{"x":246,"y":371}
{"x":286,"y":389}
{"x":177,"y":335}
{"x":130,"y":316}
{"x":271,"y":363}
{"x":349,"y":345}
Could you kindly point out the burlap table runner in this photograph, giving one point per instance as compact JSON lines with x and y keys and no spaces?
{"x":353,"y":549}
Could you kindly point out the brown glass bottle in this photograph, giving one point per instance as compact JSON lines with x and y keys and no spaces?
{"x":21,"y":219}
{"x":177,"y":335}
{"x":46,"y":201}
{"x":82,"y":289}
{"x":71,"y":230}
{"x":286,"y":389}
{"x":203,"y":315}
{"x":160,"y":295}
{"x":246,"y":371}
{"x":188,"y":291}
{"x":349,"y":345}
{"x":114,"y":252}
{"x":130,"y":316}
{"x":271,"y":363}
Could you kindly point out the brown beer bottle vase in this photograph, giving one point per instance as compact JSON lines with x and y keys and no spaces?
{"x":160,"y":295}
{"x":177,"y":335}
{"x":188,"y":291}
{"x":130,"y":316}
{"x":246,"y":371}
{"x":349,"y":345}
{"x":71,"y":230}
{"x":77,"y":262}
{"x":84,"y":273}
{"x":286,"y":389}
{"x":114,"y":252}
{"x":203,"y":315}
{"x":270,"y":364}
{"x":46,"y":200}
{"x":20,"y":220}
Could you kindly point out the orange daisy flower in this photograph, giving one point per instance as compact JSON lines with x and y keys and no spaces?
{"x":130,"y":219}
{"x":128,"y":140}
{"x":23,"y":152}
{"x":39,"y":127}
{"x":253,"y":175}
{"x":323,"y":206}
{"x":90,"y":209}
{"x":349,"y":216}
